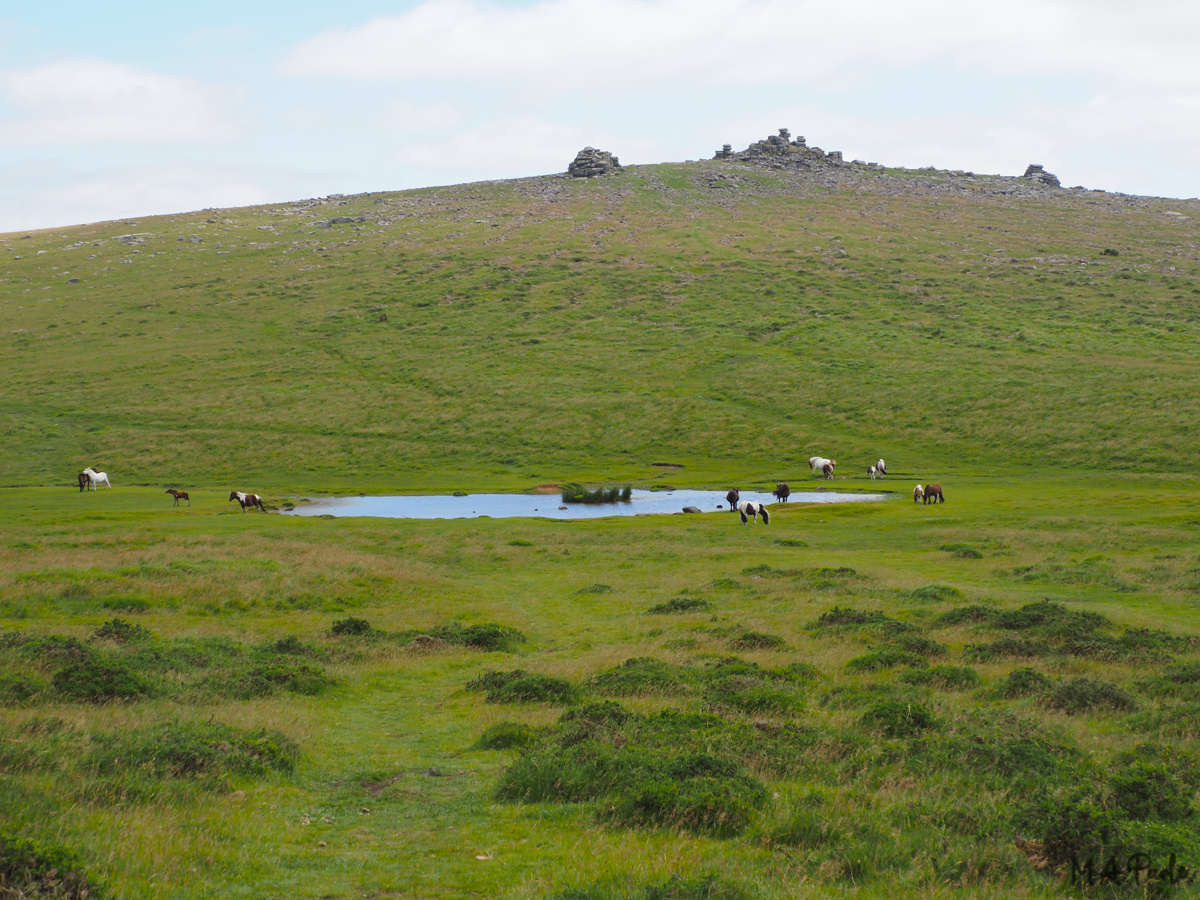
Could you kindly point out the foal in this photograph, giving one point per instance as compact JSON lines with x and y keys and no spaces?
{"x":179,"y":495}
{"x":247,"y":500}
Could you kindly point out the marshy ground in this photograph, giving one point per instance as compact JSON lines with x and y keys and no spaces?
{"x":876,"y":699}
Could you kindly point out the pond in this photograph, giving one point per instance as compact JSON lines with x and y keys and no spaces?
{"x":506,"y":506}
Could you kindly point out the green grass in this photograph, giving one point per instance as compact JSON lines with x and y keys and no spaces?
{"x":870,"y":700}
{"x":895,"y":773}
{"x":560,"y":331}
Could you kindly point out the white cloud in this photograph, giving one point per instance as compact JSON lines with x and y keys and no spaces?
{"x":591,"y":45}
{"x":45,"y":194}
{"x":94,"y":100}
{"x":409,"y":117}
{"x":519,"y":147}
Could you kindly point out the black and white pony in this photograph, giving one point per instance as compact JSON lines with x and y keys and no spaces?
{"x":732,"y":498}
{"x":752,"y":509}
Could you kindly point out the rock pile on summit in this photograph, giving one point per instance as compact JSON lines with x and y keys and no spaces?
{"x":590,"y":162}
{"x":779,"y":150}
{"x":1037,"y":173}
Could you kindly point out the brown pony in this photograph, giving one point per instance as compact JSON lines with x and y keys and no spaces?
{"x":83,"y":481}
{"x":179,"y":495}
{"x":247,"y":500}
{"x":933,"y":494}
{"x":782,"y":492}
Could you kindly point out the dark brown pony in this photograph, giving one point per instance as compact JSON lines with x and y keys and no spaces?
{"x":247,"y":500}
{"x":828,"y":470}
{"x":933,"y":494}
{"x":179,"y":495}
{"x":782,"y":492}
{"x":732,"y":498}
{"x":83,"y":481}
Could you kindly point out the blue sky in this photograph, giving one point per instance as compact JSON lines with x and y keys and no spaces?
{"x":125,"y":109}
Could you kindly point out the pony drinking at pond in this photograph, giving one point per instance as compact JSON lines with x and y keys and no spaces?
{"x":247,"y":500}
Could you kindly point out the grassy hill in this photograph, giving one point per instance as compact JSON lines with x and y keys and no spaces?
{"x":867,"y":700}
{"x":550,"y":329}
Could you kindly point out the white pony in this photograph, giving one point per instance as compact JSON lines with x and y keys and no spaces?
{"x":881,"y":468}
{"x":918,"y":494}
{"x":752,"y":508}
{"x":818,"y":464}
{"x":873,"y":471}
{"x":95,"y":479}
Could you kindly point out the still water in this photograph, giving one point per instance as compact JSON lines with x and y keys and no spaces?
{"x":506,"y":506}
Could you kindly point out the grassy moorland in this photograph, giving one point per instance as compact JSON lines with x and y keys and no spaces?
{"x":501,"y":334}
{"x":862,"y":700}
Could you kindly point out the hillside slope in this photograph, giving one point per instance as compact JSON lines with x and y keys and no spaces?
{"x":720,"y":315}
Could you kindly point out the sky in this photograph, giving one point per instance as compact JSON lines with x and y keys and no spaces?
{"x":124,"y":109}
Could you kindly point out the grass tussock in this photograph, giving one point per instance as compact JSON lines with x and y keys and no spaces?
{"x":519,"y":686}
{"x":678,"y":605}
{"x":31,"y":868}
{"x":701,"y":887}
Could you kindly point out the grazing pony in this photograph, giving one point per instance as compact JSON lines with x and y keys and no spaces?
{"x":818,"y":464}
{"x":828,"y":470}
{"x":752,"y":508}
{"x":782,"y":492}
{"x":179,"y":495}
{"x":732,"y":498}
{"x":873,"y":471}
{"x":933,"y":494}
{"x":83,"y":481}
{"x":918,"y":494}
{"x":95,"y":479}
{"x":247,"y":500}
{"x":881,"y":468}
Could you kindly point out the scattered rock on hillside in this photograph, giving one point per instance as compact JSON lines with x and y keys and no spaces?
{"x":590,"y":162}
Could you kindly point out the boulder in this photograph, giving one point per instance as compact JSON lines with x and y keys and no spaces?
{"x":691,"y":509}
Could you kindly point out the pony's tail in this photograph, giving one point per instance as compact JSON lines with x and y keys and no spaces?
{"x":744,"y":519}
